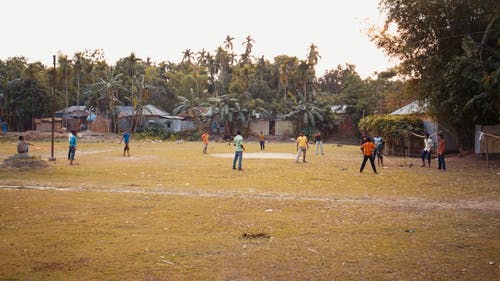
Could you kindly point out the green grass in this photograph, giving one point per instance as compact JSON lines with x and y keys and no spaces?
{"x":171,"y":213}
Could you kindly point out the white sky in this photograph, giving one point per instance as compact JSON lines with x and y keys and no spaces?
{"x":163,"y":29}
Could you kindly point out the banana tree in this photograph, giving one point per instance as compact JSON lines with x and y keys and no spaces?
{"x":228,"y":108}
{"x":304,"y":112}
{"x":104,"y":96}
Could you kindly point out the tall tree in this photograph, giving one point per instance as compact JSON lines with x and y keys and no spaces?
{"x":65,"y":69}
{"x":247,"y":55}
{"x":78,"y":61}
{"x":427,"y":37}
{"x":229,"y":110}
{"x":305,"y":112}
{"x":105,"y":96}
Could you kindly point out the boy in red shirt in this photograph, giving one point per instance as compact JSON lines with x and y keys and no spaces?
{"x":367,"y":148}
{"x":440,"y":151}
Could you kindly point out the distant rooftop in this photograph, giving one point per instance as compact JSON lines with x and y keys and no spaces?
{"x":411,"y":108}
{"x":148,"y":109}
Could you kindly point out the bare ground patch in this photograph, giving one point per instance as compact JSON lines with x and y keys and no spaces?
{"x":24,"y":163}
{"x":257,"y":155}
{"x":489,"y":206}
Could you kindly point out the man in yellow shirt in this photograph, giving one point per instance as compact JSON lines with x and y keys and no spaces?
{"x":262,"y":140}
{"x":302,"y":147}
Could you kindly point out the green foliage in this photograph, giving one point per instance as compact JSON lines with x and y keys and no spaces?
{"x":189,"y":135}
{"x":154,"y":131}
{"x":450,"y":52}
{"x":392,"y":125}
{"x":309,"y":132}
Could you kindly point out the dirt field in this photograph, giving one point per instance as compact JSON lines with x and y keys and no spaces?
{"x":169,"y":212}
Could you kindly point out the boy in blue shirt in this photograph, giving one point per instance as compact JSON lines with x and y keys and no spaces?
{"x":72,"y":147}
{"x":126,"y":139}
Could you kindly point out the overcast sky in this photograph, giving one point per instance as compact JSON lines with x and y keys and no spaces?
{"x":162,"y":29}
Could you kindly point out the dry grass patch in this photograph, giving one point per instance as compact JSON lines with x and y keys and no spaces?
{"x":171,"y":213}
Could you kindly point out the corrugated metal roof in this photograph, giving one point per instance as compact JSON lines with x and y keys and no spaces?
{"x":411,"y":108}
{"x":148,"y":109}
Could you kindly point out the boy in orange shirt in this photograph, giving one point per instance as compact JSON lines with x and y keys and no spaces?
{"x":204,"y":139}
{"x":367,"y":148}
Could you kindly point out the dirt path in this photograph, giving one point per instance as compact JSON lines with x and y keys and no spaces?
{"x":489,"y":206}
{"x":257,"y":155}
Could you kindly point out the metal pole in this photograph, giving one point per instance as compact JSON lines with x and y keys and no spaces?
{"x":52,"y":158}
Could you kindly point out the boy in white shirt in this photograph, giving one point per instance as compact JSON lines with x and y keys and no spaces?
{"x":426,"y":153}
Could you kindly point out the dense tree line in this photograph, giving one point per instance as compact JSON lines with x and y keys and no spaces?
{"x":450,"y":54}
{"x":239,"y":87}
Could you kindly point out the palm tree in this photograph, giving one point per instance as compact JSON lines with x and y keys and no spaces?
{"x":228,"y":109}
{"x":252,"y":107}
{"x":313,"y":56}
{"x":139,"y":101}
{"x":283,"y":79}
{"x":65,"y":68}
{"x":245,"y":57}
{"x":228,"y":44}
{"x":131,"y":63}
{"x":189,"y":105}
{"x":106,"y":90}
{"x":202,"y":57}
{"x":187,"y":56}
{"x":222,"y":63}
{"x":305,"y":113}
{"x":33,"y":96}
{"x":212,"y":71}
{"x":9,"y":101}
{"x":303,"y":73}
{"x":78,"y":61}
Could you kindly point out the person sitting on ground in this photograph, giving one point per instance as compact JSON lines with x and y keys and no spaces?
{"x":22,"y":146}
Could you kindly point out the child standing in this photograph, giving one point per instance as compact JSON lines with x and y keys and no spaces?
{"x":367,"y":148}
{"x":262,"y":141}
{"x":72,"y":147}
{"x":126,"y":138}
{"x":204,"y":139}
{"x":440,"y":151}
{"x":426,"y":153}
{"x":319,"y":142}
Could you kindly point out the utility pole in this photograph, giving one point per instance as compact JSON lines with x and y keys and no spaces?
{"x":52,"y":158}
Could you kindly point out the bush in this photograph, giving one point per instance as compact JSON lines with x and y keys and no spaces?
{"x":154,"y":131}
{"x":189,"y":135}
{"x":309,"y":132}
{"x":392,"y":125}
